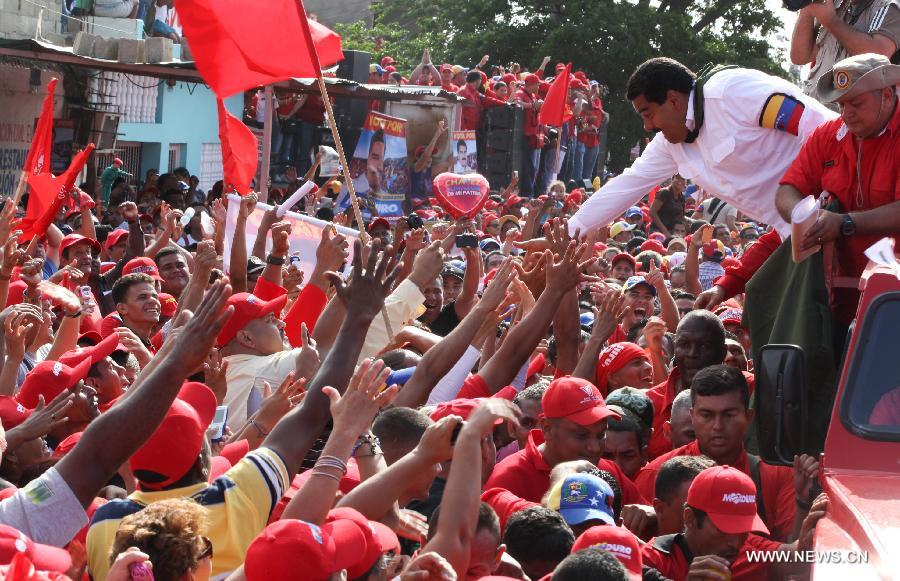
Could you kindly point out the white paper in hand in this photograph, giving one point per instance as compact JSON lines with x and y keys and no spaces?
{"x":331,"y":165}
{"x":803,"y":217}
{"x":882,"y":252}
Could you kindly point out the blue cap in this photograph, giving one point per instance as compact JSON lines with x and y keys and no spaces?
{"x":633,"y":281}
{"x":583,"y":497}
{"x":586,"y":319}
{"x":400,"y":376}
{"x":633,"y":211}
{"x":485,"y":242}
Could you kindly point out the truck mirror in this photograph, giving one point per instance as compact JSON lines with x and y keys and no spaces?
{"x":780,"y":400}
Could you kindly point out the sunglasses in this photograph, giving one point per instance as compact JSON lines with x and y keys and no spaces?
{"x":207,"y":552}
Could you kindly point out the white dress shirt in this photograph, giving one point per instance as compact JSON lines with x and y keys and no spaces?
{"x":733,"y":158}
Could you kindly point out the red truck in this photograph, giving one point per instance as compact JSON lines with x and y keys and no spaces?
{"x":860,"y":465}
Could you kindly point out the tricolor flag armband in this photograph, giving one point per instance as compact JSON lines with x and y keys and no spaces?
{"x":782,"y":112}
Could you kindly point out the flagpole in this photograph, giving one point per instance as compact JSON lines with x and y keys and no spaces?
{"x":265,"y":166}
{"x":20,"y":188}
{"x":556,"y":159}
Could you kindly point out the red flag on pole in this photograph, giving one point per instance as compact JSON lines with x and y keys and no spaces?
{"x":555,"y":110}
{"x":48,"y":192}
{"x":240,"y":152}
{"x":38,"y":160}
{"x":239,"y":44}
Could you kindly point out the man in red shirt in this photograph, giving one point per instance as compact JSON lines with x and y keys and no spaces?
{"x":720,"y":414}
{"x":447,"y":78}
{"x":855,"y":158}
{"x":572,"y":428}
{"x":526,"y":97}
{"x":699,"y":343}
{"x":719,"y":515}
{"x":588,"y":145}
{"x":476,"y":102}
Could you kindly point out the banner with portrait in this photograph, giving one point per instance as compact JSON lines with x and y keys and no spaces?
{"x":379,"y":167}
{"x":464,"y":152}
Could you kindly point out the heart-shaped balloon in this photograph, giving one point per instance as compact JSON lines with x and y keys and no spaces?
{"x":461,"y":195}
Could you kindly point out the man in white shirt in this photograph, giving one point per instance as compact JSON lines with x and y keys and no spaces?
{"x":736,"y":138}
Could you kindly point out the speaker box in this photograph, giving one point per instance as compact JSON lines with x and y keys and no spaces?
{"x":501,"y":139}
{"x":504,"y":118}
{"x":355,"y":66}
{"x":350,"y":114}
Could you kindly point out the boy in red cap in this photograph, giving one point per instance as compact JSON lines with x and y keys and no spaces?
{"x":572,"y":428}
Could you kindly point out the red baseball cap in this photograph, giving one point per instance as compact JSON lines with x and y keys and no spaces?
{"x":575,"y":399}
{"x":458,"y":407}
{"x":295,"y":549}
{"x":653,"y":245}
{"x":90,"y":336}
{"x":12,"y":413}
{"x":44,"y":557}
{"x":728,"y":496}
{"x":50,"y":378}
{"x":619,"y":541}
{"x":378,"y":222}
{"x":118,"y":161}
{"x":143,"y":265}
{"x":73,"y":239}
{"x":175,"y":445}
{"x":67,"y":445}
{"x":246,"y":308}
{"x":733,"y":315}
{"x":168,"y":305}
{"x":367,"y":557}
{"x":95,"y":354}
{"x":385,"y":61}
{"x":532,"y":79}
{"x":624,"y":256}
{"x":113,"y":238}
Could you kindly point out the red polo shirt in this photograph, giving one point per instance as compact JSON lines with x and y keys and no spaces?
{"x":828,"y":162}
{"x":777,"y":487}
{"x":531,"y":115}
{"x":662,"y":396}
{"x":472,"y":111}
{"x":670,"y":560}
{"x":527,"y":475}
{"x":589,"y":134}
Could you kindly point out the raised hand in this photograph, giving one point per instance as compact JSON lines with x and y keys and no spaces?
{"x":436,"y":444}
{"x":15,"y":328}
{"x":427,"y":265}
{"x":654,"y":331}
{"x":495,"y":291}
{"x":61,"y":297}
{"x":214,"y":371}
{"x":565,"y":275}
{"x":534,"y":272}
{"x":609,"y":314}
{"x":129,"y":210}
{"x":134,"y":345}
{"x":276,"y":404}
{"x":199,"y":334}
{"x":353,"y":412}
{"x":205,"y":258}
{"x":429,"y":566}
{"x":805,"y":470}
{"x":8,"y":221}
{"x":281,"y":231}
{"x":483,"y":419}
{"x":333,"y":250}
{"x":307,"y":362}
{"x":248,"y":204}
{"x":12,"y":255}
{"x":45,"y":418}
{"x":368,"y":287}
{"x":219,"y":210}
{"x":31,"y":272}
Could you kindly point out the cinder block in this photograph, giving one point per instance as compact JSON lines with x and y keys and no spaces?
{"x":130,"y":50}
{"x":117,"y":27}
{"x":18,"y":26}
{"x":106,"y":48}
{"x":186,"y":55}
{"x":159,"y":50}
{"x":84,"y":44}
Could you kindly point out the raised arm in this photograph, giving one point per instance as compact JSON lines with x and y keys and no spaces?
{"x":468,"y":297}
{"x":607,"y":315}
{"x":438,"y":360}
{"x":422,"y":162}
{"x":204,"y":262}
{"x":668,"y":310}
{"x":238,"y":274}
{"x":692,"y":261}
{"x":116,"y":435}
{"x":363,"y":298}
{"x":562,"y":276}
{"x":461,"y":500}
{"x":352,"y":415}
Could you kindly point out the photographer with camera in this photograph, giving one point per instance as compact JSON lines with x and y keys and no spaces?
{"x":827,"y":32}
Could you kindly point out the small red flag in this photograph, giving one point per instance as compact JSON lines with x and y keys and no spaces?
{"x":240,"y":152}
{"x":38,"y":160}
{"x":240,"y":44}
{"x":48,"y":192}
{"x":555,"y":110}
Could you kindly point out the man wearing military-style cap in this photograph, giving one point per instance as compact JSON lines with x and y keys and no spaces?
{"x":855,"y":158}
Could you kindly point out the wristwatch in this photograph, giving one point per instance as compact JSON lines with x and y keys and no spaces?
{"x":848,"y":226}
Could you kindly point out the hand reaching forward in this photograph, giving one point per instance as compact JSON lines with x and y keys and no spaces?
{"x":199,"y":334}
{"x":354,"y":411}
{"x":365,"y":293}
{"x":565,"y":275}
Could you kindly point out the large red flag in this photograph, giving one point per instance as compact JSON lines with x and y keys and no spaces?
{"x":240,"y":151}
{"x":38,"y":160}
{"x":48,"y":192}
{"x":555,"y":110}
{"x":239,"y":44}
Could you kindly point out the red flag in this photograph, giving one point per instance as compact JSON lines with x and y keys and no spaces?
{"x":38,"y":160}
{"x":240,"y":151}
{"x":240,"y":44}
{"x":48,"y":192}
{"x":555,"y":110}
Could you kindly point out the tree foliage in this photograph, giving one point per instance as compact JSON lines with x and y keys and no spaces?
{"x":605,"y":38}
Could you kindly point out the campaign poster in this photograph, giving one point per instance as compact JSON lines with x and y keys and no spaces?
{"x":464,"y":153}
{"x":379,"y":167}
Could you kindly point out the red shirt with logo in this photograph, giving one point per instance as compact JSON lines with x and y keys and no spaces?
{"x":473,"y":110}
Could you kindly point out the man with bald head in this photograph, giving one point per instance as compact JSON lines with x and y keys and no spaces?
{"x":699,"y":343}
